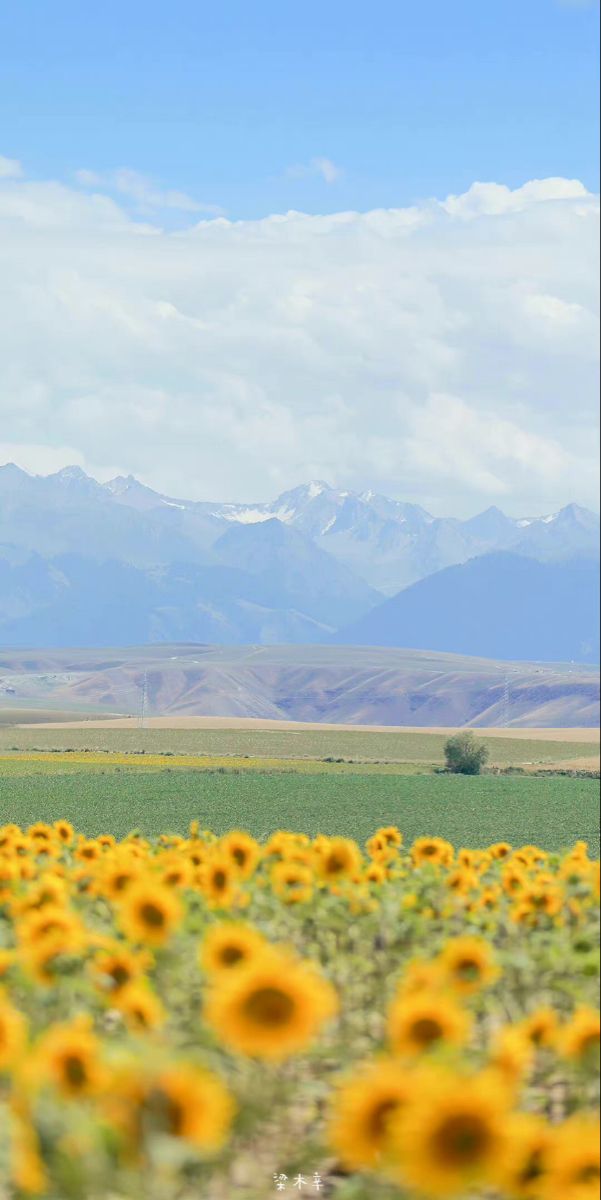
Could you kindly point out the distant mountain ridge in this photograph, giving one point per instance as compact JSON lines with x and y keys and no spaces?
{"x":502,"y":605}
{"x":118,"y":562}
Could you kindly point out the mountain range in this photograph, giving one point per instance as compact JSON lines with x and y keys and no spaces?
{"x":84,"y":563}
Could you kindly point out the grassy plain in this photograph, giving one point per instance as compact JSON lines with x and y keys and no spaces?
{"x":395,"y":746}
{"x":553,"y":812}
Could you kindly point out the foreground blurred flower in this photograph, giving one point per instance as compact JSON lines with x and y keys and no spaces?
{"x":468,"y":964}
{"x":68,"y":1057}
{"x":431,"y":850}
{"x":362,"y":1111}
{"x":150,"y":912}
{"x":13,"y":1034}
{"x":337,"y":858}
{"x":191,"y":1103}
{"x":230,"y":945}
{"x":452,"y":1136}
{"x":525,"y":1168}
{"x":273,"y":1008}
{"x":574,"y":1160}
{"x":426,"y":1020}
{"x":580,"y":1038}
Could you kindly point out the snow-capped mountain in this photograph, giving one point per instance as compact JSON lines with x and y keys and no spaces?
{"x":390,"y":543}
{"x":315,"y":559}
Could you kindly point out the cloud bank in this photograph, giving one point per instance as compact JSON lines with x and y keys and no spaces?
{"x":445,"y":352}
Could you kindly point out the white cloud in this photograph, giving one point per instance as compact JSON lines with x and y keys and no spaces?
{"x":147,"y":197}
{"x":10,"y":168}
{"x":324,"y":167}
{"x":445,"y":352}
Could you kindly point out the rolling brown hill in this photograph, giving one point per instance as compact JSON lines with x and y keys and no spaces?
{"x":346,"y":685}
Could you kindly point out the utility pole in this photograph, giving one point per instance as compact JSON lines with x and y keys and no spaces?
{"x":506,"y":698}
{"x":143,"y":701}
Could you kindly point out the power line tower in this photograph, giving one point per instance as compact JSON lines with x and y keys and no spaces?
{"x":143,"y":701}
{"x":506,"y":700}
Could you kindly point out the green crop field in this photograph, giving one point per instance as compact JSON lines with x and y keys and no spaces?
{"x":552,"y":812}
{"x":410,"y":747}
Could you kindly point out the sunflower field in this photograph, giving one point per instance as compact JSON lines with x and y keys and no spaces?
{"x":215,"y":1018}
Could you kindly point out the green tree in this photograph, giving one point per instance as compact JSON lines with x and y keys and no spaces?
{"x":464,"y":754}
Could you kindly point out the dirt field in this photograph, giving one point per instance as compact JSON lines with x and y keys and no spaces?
{"x":586,"y":736}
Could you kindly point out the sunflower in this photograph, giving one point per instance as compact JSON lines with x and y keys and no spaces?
{"x":229,"y":946}
{"x":119,"y":966}
{"x":292,"y":881}
{"x":28,"y":1173}
{"x":64,"y":831}
{"x":511,"y":1054}
{"x":489,"y":897}
{"x":40,"y":832}
{"x":118,"y":872}
{"x":379,"y":850}
{"x":13,"y":1034}
{"x":453,"y":1134}
{"x":376,"y":873}
{"x":540,"y":1027}
{"x":525,"y":1166}
{"x":468,"y":964}
{"x":574,"y":1168}
{"x":271,"y":1009}
{"x":243,"y":850}
{"x":431,"y":850}
{"x":140,"y":1006}
{"x":513,"y":878}
{"x":88,"y":851}
{"x":176,"y":871}
{"x":8,"y":833}
{"x":219,"y":878}
{"x":190,"y":1103}
{"x":52,"y":921}
{"x":68,"y":1057}
{"x":385,"y":844}
{"x":536,"y":900}
{"x":580,"y":1038}
{"x":500,"y":850}
{"x":9,"y":875}
{"x":425,"y":1021}
{"x":462,"y":881}
{"x":362,"y":1110}
{"x":49,"y":890}
{"x":420,"y":975}
{"x":337,"y":858}
{"x":149,"y":913}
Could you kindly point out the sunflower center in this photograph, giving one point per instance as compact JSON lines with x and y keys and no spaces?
{"x":120,"y":974}
{"x":219,"y":880}
{"x":121,"y":881}
{"x":428,"y":851}
{"x":590,"y":1043}
{"x":380,"y":1116}
{"x":231,"y":955}
{"x":167,"y":1111}
{"x":152,"y":915}
{"x":426,"y":1030}
{"x":75,"y":1070}
{"x":468,"y":969}
{"x":335,"y":864}
{"x":588,"y":1173}
{"x":533,"y":1168}
{"x":461,"y":1139}
{"x":270,"y":1006}
{"x":239,"y":855}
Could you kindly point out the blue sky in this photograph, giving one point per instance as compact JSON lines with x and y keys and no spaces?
{"x":420,"y":317}
{"x":253,"y":108}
